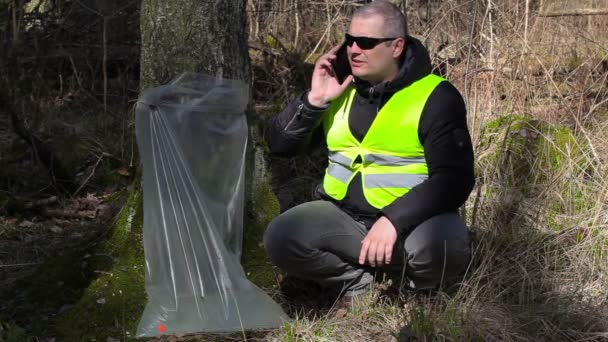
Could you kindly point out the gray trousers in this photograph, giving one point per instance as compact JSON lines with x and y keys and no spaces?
{"x":318,"y":241}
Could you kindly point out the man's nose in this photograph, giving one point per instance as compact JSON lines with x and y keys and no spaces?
{"x":355,"y":48}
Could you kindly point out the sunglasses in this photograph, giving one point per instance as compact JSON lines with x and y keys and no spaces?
{"x":365,"y":43}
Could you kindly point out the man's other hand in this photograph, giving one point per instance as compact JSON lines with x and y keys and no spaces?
{"x":377,"y":247}
{"x":324,"y":85}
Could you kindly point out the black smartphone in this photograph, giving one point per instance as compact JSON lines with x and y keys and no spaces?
{"x":341,"y":65}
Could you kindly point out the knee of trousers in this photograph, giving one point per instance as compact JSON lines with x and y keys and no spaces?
{"x":284,"y":244}
{"x":435,"y":256}
{"x":437,"y":261}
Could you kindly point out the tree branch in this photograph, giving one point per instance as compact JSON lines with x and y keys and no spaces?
{"x":575,"y":12}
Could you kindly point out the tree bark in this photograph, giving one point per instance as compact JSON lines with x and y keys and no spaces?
{"x":188,"y":35}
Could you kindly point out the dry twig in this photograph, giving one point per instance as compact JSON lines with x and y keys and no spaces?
{"x":575,"y":12}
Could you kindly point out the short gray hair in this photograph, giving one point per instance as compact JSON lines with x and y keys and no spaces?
{"x":395,"y":24}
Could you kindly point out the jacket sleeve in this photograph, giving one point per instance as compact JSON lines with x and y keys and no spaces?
{"x":449,"y":155}
{"x":290,"y":131}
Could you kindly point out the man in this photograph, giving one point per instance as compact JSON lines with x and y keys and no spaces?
{"x":400,"y":165}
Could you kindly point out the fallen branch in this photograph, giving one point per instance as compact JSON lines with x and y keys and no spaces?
{"x":91,"y":174}
{"x":83,"y":214}
{"x":268,"y":50}
{"x":575,"y":12}
{"x":21,"y":265}
{"x":42,"y":202}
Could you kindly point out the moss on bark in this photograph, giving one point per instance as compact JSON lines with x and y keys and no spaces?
{"x":255,"y":261}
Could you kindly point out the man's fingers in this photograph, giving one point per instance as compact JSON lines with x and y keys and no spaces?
{"x":380,"y":255}
{"x":371,"y":254}
{"x":325,"y":63}
{"x":326,"y":57}
{"x":388,"y":253}
{"x":335,"y":49}
{"x":324,"y":69}
{"x":363,"y":253}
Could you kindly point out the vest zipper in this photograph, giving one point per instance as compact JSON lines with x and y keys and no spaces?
{"x":296,"y":115}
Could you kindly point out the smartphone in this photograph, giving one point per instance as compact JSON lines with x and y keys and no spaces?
{"x":341,"y":65}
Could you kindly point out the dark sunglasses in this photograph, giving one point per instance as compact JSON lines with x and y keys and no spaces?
{"x":365,"y":43}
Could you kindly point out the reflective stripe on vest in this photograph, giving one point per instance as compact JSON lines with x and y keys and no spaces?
{"x":340,"y":172}
{"x":340,"y":169}
{"x":340,"y":159}
{"x":390,"y":158}
{"x":397,"y":180}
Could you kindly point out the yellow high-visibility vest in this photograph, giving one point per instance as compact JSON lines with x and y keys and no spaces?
{"x":390,"y":157}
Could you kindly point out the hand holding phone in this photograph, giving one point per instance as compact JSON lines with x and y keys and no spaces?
{"x":340,"y":64}
{"x":327,"y":83}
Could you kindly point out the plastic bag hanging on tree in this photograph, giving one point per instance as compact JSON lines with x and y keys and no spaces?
{"x":192,"y":136}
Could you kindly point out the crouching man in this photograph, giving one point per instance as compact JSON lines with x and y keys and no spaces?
{"x":400,"y":164}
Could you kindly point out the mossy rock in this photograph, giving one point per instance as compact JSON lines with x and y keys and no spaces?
{"x":529,"y":150}
{"x":526,"y":158}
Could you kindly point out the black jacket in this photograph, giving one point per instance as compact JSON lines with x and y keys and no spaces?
{"x":442,"y":131}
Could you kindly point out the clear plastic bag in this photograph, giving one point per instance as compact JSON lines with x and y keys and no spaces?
{"x":192,"y":136}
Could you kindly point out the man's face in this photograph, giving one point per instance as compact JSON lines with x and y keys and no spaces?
{"x":376,"y":64}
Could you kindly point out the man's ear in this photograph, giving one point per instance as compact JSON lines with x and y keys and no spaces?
{"x":399,"y":47}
